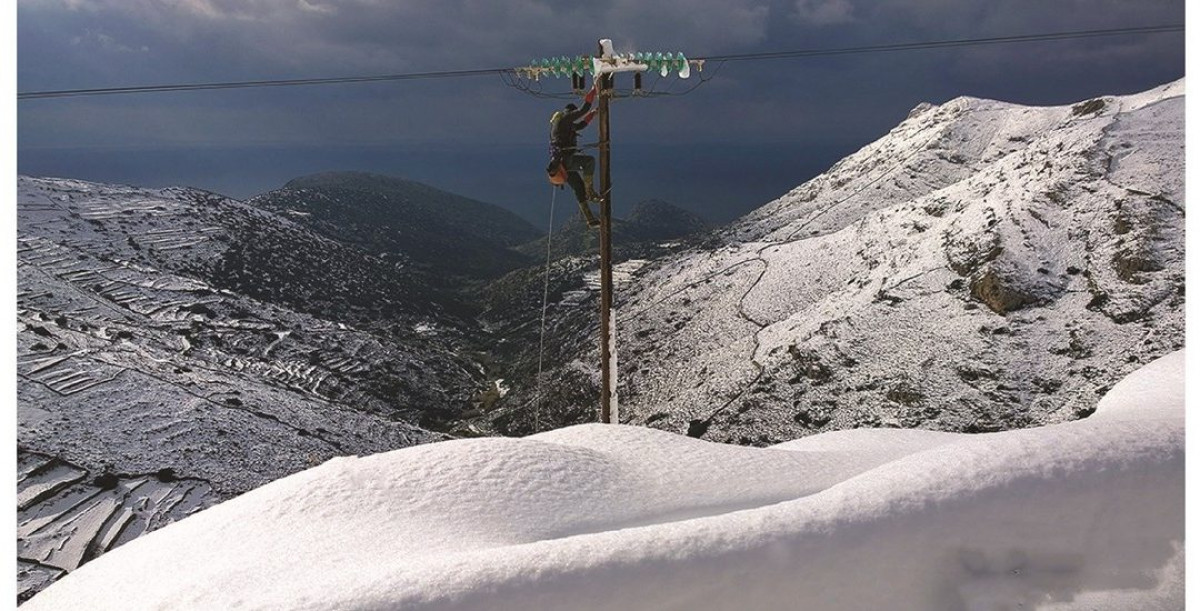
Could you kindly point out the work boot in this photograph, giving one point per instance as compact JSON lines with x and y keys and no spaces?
{"x":588,"y":217}
{"x":592,"y":196}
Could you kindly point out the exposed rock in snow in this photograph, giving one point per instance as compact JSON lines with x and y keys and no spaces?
{"x":1079,"y":515}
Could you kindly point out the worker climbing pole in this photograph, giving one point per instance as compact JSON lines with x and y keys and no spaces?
{"x":602,"y":67}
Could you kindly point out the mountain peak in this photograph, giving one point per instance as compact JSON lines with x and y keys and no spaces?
{"x":442,"y":231}
{"x":347,"y":179}
{"x":982,"y":266}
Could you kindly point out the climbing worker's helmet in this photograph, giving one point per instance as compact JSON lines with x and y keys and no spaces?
{"x":556,"y":172}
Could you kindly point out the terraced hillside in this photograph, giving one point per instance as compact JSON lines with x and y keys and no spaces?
{"x":162,"y":369}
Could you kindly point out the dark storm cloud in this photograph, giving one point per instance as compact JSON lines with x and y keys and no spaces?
{"x":761,"y":118}
{"x":73,"y":43}
{"x":374,"y":35}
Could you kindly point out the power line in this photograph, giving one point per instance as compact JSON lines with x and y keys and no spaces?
{"x":965,"y":42}
{"x":65,"y":93}
{"x":507,"y":73}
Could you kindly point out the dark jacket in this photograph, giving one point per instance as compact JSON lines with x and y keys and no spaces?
{"x":564,"y":137}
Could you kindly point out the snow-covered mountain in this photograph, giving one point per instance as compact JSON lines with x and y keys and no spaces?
{"x":983,"y":266}
{"x":176,"y":348}
{"x":1080,"y":516}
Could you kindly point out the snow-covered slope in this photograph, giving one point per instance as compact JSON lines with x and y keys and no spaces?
{"x":151,"y":384}
{"x":1079,"y":515}
{"x":984,"y":266}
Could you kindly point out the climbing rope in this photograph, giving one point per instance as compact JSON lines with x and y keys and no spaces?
{"x":537,"y":409}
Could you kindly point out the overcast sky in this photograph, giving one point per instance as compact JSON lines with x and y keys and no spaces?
{"x":750,"y":133}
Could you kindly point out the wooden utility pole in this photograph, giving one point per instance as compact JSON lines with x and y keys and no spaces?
{"x":607,"y":341}
{"x":603,"y":66}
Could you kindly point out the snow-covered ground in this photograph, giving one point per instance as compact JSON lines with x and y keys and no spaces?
{"x":984,"y":266}
{"x":1086,"y":514}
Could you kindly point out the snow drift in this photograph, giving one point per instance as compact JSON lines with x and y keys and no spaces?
{"x":1086,"y":514}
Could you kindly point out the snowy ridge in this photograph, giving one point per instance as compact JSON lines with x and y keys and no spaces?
{"x":1080,"y":515}
{"x":983,"y":266}
{"x":935,"y":147}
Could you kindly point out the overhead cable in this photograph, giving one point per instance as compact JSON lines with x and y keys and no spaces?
{"x":508,"y":72}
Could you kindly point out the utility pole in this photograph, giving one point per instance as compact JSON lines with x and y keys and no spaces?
{"x":608,"y":343}
{"x":603,"y":67}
